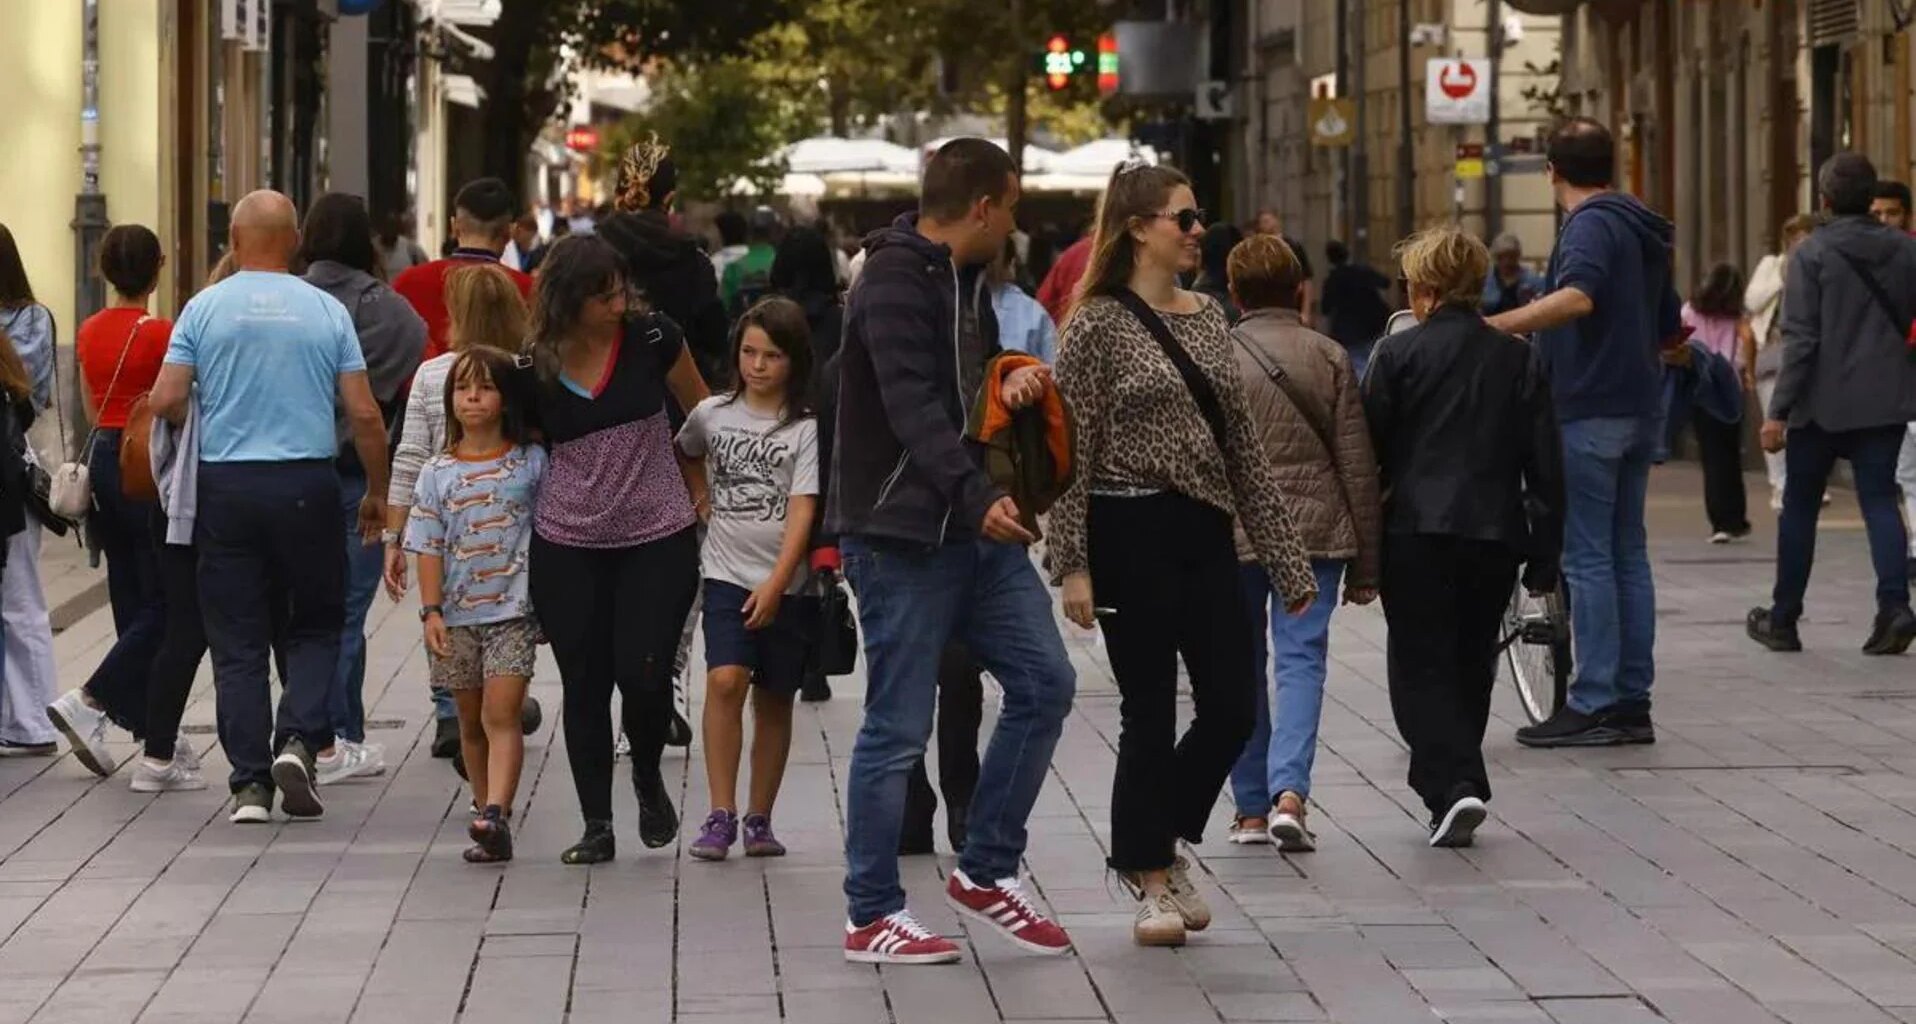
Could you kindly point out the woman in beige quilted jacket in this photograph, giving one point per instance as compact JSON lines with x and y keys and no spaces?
{"x":1304,"y":401}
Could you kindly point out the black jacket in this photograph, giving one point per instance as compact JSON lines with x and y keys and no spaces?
{"x":901,"y":466}
{"x":677,"y":279}
{"x":1466,"y":438}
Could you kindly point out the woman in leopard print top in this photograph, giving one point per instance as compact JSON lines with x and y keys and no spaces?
{"x":1147,"y":528}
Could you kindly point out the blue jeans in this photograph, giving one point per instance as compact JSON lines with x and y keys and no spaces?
{"x":365,"y":564}
{"x":1606,"y":560}
{"x":912,"y":601}
{"x":125,"y":533}
{"x":1278,"y":760}
{"x":1812,"y":452}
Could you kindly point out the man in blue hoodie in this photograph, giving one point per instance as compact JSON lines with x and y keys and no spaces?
{"x":1610,"y":306}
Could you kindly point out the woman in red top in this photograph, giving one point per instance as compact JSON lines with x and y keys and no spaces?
{"x":119,"y":350}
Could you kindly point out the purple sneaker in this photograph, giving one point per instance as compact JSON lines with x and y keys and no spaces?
{"x":716,"y":836}
{"x":759,"y":840}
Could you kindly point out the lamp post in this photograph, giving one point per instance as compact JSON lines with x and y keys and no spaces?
{"x":89,"y":207}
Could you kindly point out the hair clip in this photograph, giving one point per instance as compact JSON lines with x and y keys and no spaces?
{"x":1131,"y":164}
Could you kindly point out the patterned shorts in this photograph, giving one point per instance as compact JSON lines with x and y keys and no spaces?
{"x":482,"y":652}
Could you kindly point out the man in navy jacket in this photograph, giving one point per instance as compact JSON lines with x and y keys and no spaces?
{"x":1611,"y":306}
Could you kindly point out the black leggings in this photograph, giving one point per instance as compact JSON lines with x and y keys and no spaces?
{"x":613,"y":617}
{"x":1167,"y":565}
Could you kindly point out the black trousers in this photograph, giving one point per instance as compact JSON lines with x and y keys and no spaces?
{"x":125,"y":532}
{"x":1720,"y":447}
{"x":182,"y":644}
{"x":269,"y":536}
{"x":1444,"y":599}
{"x":961,"y":712}
{"x":613,"y":617}
{"x":1167,"y":566}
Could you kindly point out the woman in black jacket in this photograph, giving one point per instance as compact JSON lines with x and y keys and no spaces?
{"x":1472,"y":473}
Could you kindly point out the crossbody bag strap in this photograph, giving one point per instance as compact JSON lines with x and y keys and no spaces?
{"x":1283,"y":382}
{"x":1194,"y":380}
{"x":107,"y":395}
{"x":1896,"y":318}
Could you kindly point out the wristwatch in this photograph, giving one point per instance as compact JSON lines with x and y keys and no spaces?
{"x":428,"y":611}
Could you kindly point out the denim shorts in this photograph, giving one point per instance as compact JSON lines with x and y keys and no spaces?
{"x":776,"y":654}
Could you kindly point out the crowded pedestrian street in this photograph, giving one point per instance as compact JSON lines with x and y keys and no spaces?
{"x":1757,"y":864}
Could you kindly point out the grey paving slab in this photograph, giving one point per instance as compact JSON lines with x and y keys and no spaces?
{"x":1757,"y":865}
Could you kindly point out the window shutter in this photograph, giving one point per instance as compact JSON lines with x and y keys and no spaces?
{"x":1833,"y":21}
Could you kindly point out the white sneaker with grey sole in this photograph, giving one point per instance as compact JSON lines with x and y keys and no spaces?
{"x":351,"y":760}
{"x":85,"y":729}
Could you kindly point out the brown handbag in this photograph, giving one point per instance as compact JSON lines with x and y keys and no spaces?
{"x":136,"y":461}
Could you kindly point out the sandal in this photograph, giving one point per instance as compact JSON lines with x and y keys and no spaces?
{"x":494,"y":836}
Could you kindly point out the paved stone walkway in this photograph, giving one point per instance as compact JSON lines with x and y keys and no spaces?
{"x":1757,"y":865}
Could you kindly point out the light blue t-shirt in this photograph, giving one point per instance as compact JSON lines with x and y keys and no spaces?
{"x":267,"y":350}
{"x":476,"y":515}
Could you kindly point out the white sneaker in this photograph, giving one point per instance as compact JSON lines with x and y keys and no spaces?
{"x":85,"y":729}
{"x":176,"y":776}
{"x":350,"y":760}
{"x":1721,"y":537}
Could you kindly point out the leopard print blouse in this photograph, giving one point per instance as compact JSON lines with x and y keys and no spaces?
{"x":1139,"y":430}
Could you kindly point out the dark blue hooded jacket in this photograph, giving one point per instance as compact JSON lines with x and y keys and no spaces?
{"x":1618,"y":252}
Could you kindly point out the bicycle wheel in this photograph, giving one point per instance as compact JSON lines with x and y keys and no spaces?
{"x":1536,"y":648}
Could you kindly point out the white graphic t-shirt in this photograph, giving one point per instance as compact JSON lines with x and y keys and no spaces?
{"x":755,"y":466}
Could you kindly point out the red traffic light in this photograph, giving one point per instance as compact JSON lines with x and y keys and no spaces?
{"x":582,"y":139}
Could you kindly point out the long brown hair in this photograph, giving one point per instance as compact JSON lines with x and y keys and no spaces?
{"x":484,"y":309}
{"x":498,"y":368}
{"x":13,"y":373}
{"x":1134,"y":192}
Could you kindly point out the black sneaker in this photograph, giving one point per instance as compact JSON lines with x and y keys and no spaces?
{"x":1764,"y":628}
{"x":658,"y":822}
{"x":816,"y":689}
{"x":531,"y":715}
{"x":445,"y":738}
{"x":1570,"y":728}
{"x":1894,"y":630}
{"x":595,"y":847}
{"x":1632,"y":719}
{"x":1458,"y":826}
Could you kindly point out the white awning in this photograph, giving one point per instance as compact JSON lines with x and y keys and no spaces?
{"x":828,"y":154}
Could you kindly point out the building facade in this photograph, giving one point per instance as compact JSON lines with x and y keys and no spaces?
{"x":1400,"y":172}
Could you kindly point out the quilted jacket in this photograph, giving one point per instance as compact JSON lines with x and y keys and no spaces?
{"x":1304,"y":400}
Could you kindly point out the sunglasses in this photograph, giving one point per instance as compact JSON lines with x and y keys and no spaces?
{"x":1187,"y":218}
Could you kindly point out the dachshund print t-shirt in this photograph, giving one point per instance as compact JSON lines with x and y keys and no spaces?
{"x":476,"y":515}
{"x":755,"y":464}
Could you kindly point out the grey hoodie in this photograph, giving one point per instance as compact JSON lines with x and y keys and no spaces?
{"x":1847,"y":364}
{"x":391,"y":334}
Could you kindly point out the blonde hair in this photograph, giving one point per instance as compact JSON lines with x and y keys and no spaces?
{"x":221,"y":270}
{"x":1136,"y":191}
{"x":1447,"y":261}
{"x":1796,"y":227}
{"x":484,"y":309}
{"x":1264,"y":272}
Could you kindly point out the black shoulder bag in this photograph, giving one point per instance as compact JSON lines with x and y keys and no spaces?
{"x":1199,"y":385}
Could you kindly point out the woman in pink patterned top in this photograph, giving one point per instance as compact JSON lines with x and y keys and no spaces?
{"x":615,"y":559}
{"x":1715,"y":315}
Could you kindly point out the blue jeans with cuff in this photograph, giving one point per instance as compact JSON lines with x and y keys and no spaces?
{"x":1280,"y":753}
{"x":912,"y":601}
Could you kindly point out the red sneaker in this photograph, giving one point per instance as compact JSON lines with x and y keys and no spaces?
{"x":897,"y":939}
{"x":1009,"y":912}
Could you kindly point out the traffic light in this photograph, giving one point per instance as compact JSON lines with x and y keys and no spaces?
{"x":1061,"y":62}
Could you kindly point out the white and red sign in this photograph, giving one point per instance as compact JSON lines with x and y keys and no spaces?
{"x":1457,"y":91}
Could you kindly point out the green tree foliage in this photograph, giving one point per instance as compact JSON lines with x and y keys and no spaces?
{"x":523,"y":83}
{"x":723,"y":125}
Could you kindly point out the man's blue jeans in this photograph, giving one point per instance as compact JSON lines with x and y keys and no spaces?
{"x":1279,"y":756}
{"x":1812,"y":452}
{"x":365,"y":564}
{"x":1606,"y":560}
{"x":912,"y":601}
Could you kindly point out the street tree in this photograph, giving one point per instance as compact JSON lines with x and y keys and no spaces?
{"x":533,"y":41}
